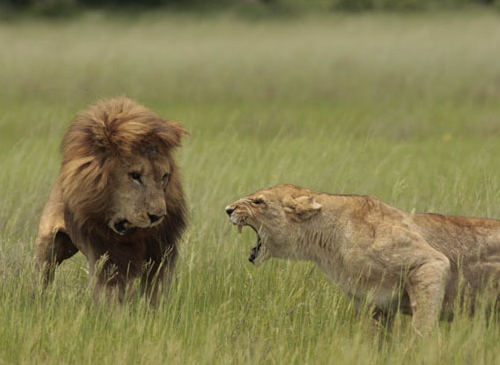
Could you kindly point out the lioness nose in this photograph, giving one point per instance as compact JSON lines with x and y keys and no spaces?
{"x":154,"y":218}
{"x":229,"y":211}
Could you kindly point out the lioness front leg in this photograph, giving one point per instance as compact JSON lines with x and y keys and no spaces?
{"x":423,"y":271}
{"x":426,"y":288}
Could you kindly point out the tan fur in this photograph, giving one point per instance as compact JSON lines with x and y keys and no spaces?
{"x":118,"y":196}
{"x":375,"y":252}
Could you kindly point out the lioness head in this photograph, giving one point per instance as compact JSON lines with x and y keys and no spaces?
{"x":275,"y":214}
{"x":118,"y":168}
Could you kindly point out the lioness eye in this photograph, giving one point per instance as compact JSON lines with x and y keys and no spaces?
{"x":165,"y":177}
{"x":135,"y":176}
{"x":258,"y":201}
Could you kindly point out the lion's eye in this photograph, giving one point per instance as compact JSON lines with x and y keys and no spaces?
{"x":258,"y":201}
{"x":165,"y":177}
{"x":135,"y":176}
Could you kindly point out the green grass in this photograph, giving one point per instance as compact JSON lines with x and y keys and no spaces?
{"x":405,"y":107}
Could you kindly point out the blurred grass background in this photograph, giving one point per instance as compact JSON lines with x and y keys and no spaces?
{"x":248,"y":7}
{"x":400,"y":105}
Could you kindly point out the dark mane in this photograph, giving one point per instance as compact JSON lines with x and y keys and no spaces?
{"x":98,"y":138}
{"x":130,"y":252}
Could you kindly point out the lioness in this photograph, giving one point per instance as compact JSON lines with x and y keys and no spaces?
{"x":373,"y":251}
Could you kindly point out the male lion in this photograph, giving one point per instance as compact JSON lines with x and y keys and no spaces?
{"x":118,"y":198}
{"x":375,"y":252}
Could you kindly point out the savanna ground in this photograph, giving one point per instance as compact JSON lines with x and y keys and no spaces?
{"x":405,"y":107}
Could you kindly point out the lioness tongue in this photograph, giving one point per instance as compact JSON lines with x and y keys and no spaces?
{"x":240,"y":227}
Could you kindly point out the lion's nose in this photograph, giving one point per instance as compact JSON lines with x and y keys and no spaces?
{"x":230,"y":210}
{"x":154,"y":218}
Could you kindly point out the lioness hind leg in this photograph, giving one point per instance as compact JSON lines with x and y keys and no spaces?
{"x":383,"y":319}
{"x":426,"y":288}
{"x":50,"y":251}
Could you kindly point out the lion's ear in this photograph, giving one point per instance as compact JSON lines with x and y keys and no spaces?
{"x":171,"y":133}
{"x":178,"y":130}
{"x":301,"y":208}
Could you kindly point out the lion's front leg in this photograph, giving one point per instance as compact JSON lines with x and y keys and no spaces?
{"x":53,"y":245}
{"x":158,"y":277}
{"x":157,"y":282}
{"x":151,"y":285}
{"x":50,"y":250}
{"x":107,"y":283}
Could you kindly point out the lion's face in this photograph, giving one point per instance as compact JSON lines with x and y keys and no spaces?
{"x":274,"y":214}
{"x":138,"y":190}
{"x":118,"y":168}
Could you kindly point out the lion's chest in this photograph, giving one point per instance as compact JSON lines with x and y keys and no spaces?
{"x":130,"y":256}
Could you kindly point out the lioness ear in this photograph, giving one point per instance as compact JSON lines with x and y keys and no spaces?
{"x":301,"y":208}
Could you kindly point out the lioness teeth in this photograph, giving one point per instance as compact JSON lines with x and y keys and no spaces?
{"x":240,"y":227}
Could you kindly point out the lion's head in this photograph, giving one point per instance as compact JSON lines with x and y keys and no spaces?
{"x":118,"y":166}
{"x":275,"y":214}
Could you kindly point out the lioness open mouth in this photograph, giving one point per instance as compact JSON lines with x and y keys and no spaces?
{"x":254,"y":251}
{"x":123,"y":227}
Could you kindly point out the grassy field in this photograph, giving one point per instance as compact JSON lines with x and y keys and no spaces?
{"x":405,"y":107}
